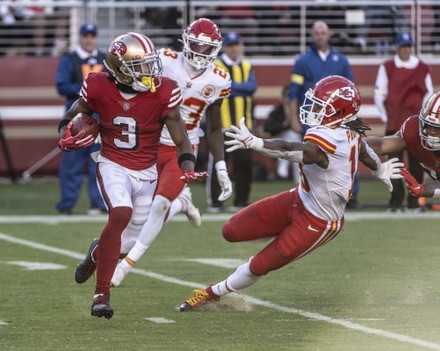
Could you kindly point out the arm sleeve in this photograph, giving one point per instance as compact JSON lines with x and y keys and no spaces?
{"x":381,"y":92}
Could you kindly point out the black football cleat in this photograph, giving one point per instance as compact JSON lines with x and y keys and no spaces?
{"x":86,"y":268}
{"x":101,"y":307}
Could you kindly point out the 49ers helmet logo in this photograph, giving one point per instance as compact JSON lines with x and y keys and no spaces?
{"x":118,"y":47}
{"x":346,"y":93}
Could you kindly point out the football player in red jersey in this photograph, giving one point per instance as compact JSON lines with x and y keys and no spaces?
{"x":133,"y":101}
{"x":304,"y":218}
{"x":203,"y":87}
{"x":420,"y":136}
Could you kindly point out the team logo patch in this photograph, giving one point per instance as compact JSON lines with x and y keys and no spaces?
{"x":118,"y":47}
{"x":208,"y":91}
{"x":346,"y":93}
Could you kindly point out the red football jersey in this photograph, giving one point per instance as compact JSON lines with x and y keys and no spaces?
{"x":429,"y":160}
{"x":130,"y":128}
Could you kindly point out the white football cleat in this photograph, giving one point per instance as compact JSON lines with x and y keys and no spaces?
{"x":192,"y":212}
{"x":121,"y":271}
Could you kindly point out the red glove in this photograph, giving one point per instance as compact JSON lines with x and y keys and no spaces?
{"x":191,"y":176}
{"x":415,"y":189}
{"x":68,"y":142}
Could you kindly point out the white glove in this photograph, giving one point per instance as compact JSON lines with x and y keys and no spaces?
{"x":389,"y":170}
{"x":242,"y":138}
{"x":223,"y":180}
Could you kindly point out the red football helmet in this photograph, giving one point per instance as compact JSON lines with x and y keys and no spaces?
{"x":132,"y":60}
{"x":332,"y":101}
{"x":429,"y":123}
{"x":202,"y":42}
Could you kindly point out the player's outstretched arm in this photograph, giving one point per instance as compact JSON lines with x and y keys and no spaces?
{"x":386,"y":145}
{"x":242,"y":138}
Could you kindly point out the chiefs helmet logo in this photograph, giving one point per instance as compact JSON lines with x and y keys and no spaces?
{"x":346,"y":93}
{"x":118,"y":47}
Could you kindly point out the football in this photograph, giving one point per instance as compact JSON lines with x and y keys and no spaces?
{"x":86,"y":123}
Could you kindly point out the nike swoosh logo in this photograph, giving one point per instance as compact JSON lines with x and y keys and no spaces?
{"x":312,"y":229}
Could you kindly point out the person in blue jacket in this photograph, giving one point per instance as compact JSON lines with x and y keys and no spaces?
{"x":320,"y":61}
{"x":72,"y":70}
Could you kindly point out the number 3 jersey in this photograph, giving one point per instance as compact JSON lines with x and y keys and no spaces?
{"x":198,"y":92}
{"x":325,"y":192}
{"x":130,"y":127}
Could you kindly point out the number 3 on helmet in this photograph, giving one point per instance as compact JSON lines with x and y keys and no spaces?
{"x":332,"y":101}
{"x":202,"y":42}
{"x":132,"y":60}
{"x":429,"y":123}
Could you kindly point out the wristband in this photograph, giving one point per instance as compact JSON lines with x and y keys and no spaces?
{"x":186,"y":157}
{"x":63,"y":123}
{"x":220,"y":166}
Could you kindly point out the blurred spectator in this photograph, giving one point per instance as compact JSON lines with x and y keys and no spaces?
{"x":278,"y":126}
{"x":402,"y":85}
{"x":72,"y":70}
{"x":239,"y":104}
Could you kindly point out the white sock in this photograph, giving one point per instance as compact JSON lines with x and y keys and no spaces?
{"x":240,"y":279}
{"x":176,"y":207}
{"x":135,"y":254}
{"x":151,"y":229}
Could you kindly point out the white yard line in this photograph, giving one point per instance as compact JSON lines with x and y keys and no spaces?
{"x":311,"y":315}
{"x":353,"y":216}
{"x":160,"y":320}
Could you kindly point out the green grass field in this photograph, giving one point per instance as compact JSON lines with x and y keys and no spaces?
{"x":375,"y":287}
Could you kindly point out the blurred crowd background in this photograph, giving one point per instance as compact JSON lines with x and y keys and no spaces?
{"x":269,"y":28}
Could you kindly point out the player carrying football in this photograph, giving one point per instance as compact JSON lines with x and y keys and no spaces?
{"x":203,"y":87}
{"x":134,"y":101}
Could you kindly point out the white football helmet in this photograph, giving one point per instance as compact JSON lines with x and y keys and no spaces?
{"x":429,"y":123}
{"x":132,"y":60}
{"x":202,"y":42}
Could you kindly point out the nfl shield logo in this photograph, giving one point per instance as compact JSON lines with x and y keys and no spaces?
{"x":126,"y":106}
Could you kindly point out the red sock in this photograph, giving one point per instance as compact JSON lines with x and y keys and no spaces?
{"x":107,"y":253}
